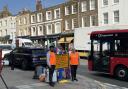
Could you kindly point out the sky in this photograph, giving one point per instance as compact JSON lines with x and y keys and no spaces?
{"x":17,"y":5}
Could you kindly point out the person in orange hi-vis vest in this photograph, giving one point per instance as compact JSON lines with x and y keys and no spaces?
{"x":74,"y":62}
{"x":51,"y":62}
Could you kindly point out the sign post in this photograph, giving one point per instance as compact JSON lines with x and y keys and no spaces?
{"x":1,"y":67}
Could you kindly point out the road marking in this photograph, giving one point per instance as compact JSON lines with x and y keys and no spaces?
{"x":110,"y":84}
{"x":31,"y":86}
{"x":105,"y":85}
{"x":39,"y":84}
{"x":101,"y":84}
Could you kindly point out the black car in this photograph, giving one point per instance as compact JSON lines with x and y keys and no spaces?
{"x":27,"y":57}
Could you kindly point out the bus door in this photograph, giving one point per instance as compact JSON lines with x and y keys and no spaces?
{"x":101,"y":55}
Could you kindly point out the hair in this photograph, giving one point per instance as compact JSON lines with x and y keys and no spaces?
{"x":51,"y":47}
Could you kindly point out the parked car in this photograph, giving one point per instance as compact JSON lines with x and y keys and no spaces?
{"x":27,"y":57}
{"x":6,"y":48}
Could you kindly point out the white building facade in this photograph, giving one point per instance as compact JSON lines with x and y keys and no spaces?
{"x":112,"y":12}
{"x":8,"y":27}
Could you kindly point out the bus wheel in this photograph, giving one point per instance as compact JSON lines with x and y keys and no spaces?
{"x":121,"y":73}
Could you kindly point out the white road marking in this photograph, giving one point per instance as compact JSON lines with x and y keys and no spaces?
{"x":101,"y":84}
{"x":39,"y":84}
{"x":31,"y":86}
{"x":110,"y":84}
{"x":104,"y":85}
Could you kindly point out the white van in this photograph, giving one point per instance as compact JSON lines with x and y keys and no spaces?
{"x":6,"y":48}
{"x":22,"y":42}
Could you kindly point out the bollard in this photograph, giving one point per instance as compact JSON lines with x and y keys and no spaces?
{"x":1,"y":60}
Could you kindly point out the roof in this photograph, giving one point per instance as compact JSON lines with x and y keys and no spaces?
{"x":31,"y":48}
{"x":110,"y":31}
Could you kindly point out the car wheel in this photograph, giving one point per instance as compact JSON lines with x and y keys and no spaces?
{"x":121,"y":73}
{"x":24,"y":65}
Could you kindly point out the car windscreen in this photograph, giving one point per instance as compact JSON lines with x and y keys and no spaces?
{"x":5,"y":47}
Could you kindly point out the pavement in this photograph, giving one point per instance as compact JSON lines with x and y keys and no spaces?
{"x":19,"y":79}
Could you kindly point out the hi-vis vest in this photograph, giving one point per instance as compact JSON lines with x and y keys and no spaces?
{"x":52,"y":58}
{"x":74,"y":58}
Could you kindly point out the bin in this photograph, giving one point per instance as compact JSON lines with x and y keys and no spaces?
{"x":60,"y":73}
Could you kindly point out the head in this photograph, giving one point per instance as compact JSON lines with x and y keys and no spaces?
{"x":51,"y":48}
{"x":73,"y":50}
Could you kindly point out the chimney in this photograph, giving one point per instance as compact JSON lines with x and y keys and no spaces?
{"x":38,"y":5}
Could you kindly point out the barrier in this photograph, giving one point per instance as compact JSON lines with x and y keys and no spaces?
{"x":62,"y":61}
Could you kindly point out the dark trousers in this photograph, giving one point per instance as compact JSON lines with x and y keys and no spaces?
{"x":73,"y":71}
{"x":51,"y":71}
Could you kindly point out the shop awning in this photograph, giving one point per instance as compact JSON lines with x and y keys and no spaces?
{"x":68,"y":40}
{"x":61,"y":40}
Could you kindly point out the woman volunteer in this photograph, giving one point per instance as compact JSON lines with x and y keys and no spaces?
{"x":74,"y":62}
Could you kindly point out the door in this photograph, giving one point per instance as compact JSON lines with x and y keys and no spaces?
{"x":101,"y":56}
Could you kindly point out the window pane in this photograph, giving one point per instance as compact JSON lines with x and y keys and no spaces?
{"x":116,"y":16}
{"x":84,"y":6}
{"x":105,"y":2}
{"x":105,"y":18}
{"x":116,"y":1}
{"x":92,"y":21}
{"x":92,"y":4}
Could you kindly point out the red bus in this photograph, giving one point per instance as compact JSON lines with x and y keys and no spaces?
{"x":109,"y":53}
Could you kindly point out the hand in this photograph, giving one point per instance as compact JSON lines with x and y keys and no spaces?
{"x":49,"y":66}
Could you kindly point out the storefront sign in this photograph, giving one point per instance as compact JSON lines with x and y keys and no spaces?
{"x":62,"y":61}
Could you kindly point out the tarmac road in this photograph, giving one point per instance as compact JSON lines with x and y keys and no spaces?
{"x":104,"y":78}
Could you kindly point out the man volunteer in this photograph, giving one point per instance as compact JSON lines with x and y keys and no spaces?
{"x":51,"y":62}
{"x":74,"y":62}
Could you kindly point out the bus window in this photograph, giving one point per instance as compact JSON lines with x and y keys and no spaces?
{"x":121,"y":45}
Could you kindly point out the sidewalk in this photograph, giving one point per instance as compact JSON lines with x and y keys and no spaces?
{"x":19,"y":79}
{"x":83,"y":83}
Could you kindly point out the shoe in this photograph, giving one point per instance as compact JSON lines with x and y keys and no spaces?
{"x":72,"y":80}
{"x":76,"y":79}
{"x":51,"y":84}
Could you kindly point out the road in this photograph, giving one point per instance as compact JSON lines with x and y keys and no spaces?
{"x":21,"y":78}
{"x":105,"y":78}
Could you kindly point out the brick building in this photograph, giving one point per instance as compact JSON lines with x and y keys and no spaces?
{"x":56,"y":24}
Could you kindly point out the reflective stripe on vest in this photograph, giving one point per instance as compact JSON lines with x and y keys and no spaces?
{"x":52,"y":58}
{"x":74,"y":58}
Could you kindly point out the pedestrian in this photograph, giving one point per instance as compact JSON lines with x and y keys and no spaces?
{"x":12,"y":60}
{"x":74,"y":62}
{"x":51,"y":62}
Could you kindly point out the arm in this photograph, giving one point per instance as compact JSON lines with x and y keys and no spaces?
{"x":48,"y":59}
{"x":78,"y":58}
